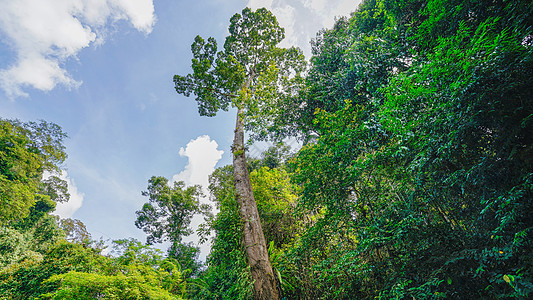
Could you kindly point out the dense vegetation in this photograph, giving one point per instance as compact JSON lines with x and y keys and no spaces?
{"x":415,"y":179}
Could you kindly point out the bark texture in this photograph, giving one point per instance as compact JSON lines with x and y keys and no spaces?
{"x":253,"y":237}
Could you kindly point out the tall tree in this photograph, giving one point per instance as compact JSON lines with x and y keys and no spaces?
{"x":257,"y":77}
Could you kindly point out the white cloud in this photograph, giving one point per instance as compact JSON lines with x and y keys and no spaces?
{"x":139,"y":12}
{"x":203,"y":155}
{"x":37,"y":71}
{"x":302,"y":19}
{"x":67,"y":209}
{"x":45,"y":33}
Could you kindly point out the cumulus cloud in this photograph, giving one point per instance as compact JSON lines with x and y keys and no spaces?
{"x":203,"y":155}
{"x":67,"y":209}
{"x":303,"y":18}
{"x":45,"y":33}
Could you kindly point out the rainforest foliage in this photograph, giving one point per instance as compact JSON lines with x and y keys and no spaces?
{"x":414,"y":181}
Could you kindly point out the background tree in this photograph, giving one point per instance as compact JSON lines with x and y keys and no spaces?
{"x":167,"y":216}
{"x":27,"y":150}
{"x":257,"y":77}
{"x":74,"y":271}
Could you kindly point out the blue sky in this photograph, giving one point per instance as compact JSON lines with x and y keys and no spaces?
{"x":102,"y":70}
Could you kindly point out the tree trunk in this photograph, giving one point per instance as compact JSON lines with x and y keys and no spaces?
{"x":254,"y":240}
